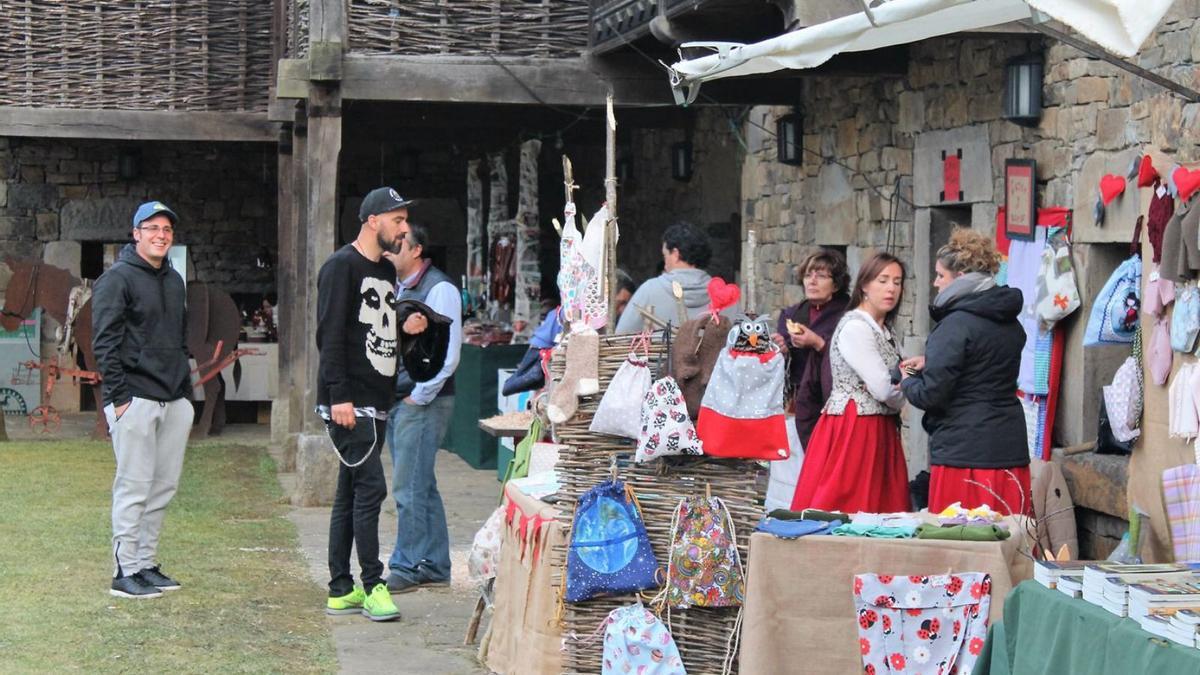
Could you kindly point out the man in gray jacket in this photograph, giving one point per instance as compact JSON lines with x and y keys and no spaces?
{"x":139,"y":325}
{"x":685,"y":252}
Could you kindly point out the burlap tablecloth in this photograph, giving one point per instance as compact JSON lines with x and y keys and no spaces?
{"x":799,"y":613}
{"x":525,"y":637}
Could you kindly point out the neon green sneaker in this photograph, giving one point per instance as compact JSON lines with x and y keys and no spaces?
{"x":350,"y":603}
{"x":379,"y":606}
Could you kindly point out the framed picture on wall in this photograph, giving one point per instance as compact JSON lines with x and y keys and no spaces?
{"x":1020,"y":198}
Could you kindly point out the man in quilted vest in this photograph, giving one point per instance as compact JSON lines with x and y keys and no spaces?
{"x":417,"y":424}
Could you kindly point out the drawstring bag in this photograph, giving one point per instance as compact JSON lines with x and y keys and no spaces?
{"x":610,"y":551}
{"x":1123,"y":398}
{"x":484,"y":558}
{"x":518,"y":466}
{"x":1114,"y":317}
{"x":666,"y":428}
{"x":1058,"y":295}
{"x":636,"y":642}
{"x":620,"y":410}
{"x":1185,"y":320}
{"x":742,"y":412}
{"x":705,"y":568}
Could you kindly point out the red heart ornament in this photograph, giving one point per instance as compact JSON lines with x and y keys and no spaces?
{"x":721,"y":294}
{"x":1186,"y":181}
{"x":1110,"y":188}
{"x":1146,"y":172}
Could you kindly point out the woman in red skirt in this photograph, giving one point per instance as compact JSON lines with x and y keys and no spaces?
{"x":967,"y":383}
{"x":854,"y":460}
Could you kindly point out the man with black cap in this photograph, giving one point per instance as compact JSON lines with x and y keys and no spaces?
{"x":357,"y":342}
{"x":140,"y":330}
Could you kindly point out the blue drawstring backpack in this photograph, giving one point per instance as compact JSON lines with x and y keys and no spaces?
{"x":610,"y":551}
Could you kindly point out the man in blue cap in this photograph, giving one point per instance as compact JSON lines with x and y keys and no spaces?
{"x":139,"y":328}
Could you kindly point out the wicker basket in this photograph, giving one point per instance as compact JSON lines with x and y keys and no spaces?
{"x":704,"y":636}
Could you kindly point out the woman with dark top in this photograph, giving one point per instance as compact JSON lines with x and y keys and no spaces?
{"x":967,"y":382}
{"x":805,"y":329}
{"x":854,"y":460}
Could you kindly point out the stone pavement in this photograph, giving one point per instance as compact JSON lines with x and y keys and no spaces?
{"x":428,"y":638}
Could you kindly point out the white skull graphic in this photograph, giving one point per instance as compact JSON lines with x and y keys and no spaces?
{"x":378,"y":310}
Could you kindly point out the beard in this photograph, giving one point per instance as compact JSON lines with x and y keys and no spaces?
{"x":387,"y":246}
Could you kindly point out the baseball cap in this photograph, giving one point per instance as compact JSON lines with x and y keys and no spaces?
{"x":381,"y":200}
{"x":150,"y":209}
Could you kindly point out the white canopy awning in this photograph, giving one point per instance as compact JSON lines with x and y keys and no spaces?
{"x":1120,"y":26}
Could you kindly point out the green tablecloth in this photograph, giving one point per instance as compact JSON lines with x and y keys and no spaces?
{"x":475,"y":399}
{"x":1047,"y":633}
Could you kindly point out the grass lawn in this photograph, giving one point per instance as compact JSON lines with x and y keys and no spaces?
{"x":247,"y":604}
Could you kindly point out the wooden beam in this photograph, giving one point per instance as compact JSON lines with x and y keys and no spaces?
{"x":145,"y":125}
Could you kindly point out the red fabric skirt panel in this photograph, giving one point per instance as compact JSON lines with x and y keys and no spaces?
{"x":761,"y":438}
{"x":853,"y":464}
{"x":949,"y":484}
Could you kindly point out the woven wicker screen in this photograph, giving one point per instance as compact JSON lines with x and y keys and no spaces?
{"x":297,"y":29}
{"x":548,"y":28}
{"x":136,"y":54}
{"x":703,"y":635}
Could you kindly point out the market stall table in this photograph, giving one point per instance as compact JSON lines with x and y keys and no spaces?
{"x":799,"y":612}
{"x":524,"y":636}
{"x":1045,"y":632}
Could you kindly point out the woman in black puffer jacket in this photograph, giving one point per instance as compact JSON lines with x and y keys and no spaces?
{"x":967,"y":382}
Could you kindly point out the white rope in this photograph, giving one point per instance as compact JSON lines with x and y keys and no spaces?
{"x":374,"y":441}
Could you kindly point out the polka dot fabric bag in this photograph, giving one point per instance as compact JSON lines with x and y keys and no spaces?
{"x":610,"y":551}
{"x":742,"y":414}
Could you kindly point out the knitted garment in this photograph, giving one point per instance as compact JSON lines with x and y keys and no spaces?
{"x":1162,"y":207}
{"x":847,"y":385}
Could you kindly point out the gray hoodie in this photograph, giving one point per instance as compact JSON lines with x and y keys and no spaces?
{"x":655,"y":296}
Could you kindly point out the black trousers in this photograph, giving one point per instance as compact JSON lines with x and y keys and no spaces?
{"x":354,"y":520}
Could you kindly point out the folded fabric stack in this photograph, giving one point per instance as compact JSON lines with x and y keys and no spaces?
{"x":963,"y":532}
{"x":794,"y":529}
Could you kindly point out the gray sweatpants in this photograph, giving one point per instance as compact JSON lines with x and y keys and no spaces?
{"x":149,"y":440}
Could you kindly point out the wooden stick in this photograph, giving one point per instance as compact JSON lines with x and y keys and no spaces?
{"x":473,"y":626}
{"x":610,"y":198}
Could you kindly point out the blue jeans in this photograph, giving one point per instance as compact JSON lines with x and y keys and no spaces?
{"x":422,"y":550}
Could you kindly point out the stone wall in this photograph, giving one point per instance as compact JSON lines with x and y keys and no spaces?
{"x":866,"y":136}
{"x":71,"y":190}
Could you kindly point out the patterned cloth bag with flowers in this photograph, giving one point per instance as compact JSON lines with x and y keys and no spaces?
{"x":921,"y":624}
{"x":705,"y":568}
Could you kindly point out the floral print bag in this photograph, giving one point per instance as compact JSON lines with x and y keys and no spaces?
{"x":921,"y":624}
{"x":704,"y":568}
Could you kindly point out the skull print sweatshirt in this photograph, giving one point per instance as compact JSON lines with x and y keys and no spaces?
{"x":356,"y":331}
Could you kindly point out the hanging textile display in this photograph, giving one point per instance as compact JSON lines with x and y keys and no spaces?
{"x":502,"y":239}
{"x":1181,"y":492}
{"x":528,"y":292}
{"x":1042,"y":359}
{"x":476,"y":272}
{"x":580,"y":281}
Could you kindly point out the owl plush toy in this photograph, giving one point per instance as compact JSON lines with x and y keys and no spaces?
{"x":741,"y":414}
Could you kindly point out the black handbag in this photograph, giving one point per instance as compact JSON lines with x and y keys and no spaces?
{"x":528,"y":375}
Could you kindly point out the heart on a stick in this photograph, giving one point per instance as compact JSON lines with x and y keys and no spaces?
{"x":722,"y":295}
{"x":1147,"y":174}
{"x":1186,"y":181}
{"x":1110,"y":188}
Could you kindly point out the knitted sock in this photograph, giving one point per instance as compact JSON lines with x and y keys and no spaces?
{"x":580,"y":378}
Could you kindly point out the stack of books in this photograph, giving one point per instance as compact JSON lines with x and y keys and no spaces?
{"x":1184,"y":627}
{"x":1163,"y":597}
{"x":1097,"y":575}
{"x":1048,"y":572}
{"x":1116,"y":596}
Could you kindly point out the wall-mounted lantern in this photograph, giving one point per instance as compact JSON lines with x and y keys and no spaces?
{"x":789,"y":139}
{"x":1023,"y":90}
{"x":681,"y":161}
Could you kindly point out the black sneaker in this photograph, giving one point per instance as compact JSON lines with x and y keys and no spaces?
{"x":397,"y":585}
{"x":134,"y":587}
{"x":157,"y":579}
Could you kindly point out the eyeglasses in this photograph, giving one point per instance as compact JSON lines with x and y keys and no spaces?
{"x":155,"y":229}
